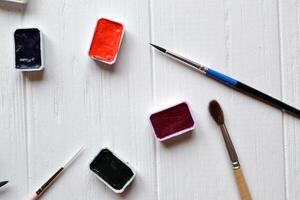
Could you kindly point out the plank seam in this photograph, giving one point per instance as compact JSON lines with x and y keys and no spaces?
{"x":26,"y":118}
{"x":153,"y":86}
{"x":282,"y":98}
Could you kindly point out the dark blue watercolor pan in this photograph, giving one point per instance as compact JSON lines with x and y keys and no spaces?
{"x":28,"y":49}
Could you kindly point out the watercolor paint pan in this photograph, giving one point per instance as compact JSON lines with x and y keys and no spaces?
{"x":112,"y":171}
{"x":172,"y":121}
{"x":106,"y":41}
{"x":28,"y":49}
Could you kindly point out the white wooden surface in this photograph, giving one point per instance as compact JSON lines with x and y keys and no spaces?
{"x":46,"y":116}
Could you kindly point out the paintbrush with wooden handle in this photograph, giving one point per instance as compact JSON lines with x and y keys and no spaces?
{"x":217,"y":114}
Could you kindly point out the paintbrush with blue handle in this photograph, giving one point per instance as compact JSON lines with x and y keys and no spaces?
{"x":232,"y":83}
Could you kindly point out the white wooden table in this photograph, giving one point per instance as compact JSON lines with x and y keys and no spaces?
{"x":45,"y":116}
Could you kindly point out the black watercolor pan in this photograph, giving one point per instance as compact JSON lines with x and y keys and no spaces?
{"x":28,"y":49}
{"x":112,"y":171}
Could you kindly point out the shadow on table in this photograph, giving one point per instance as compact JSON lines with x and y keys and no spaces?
{"x":127,"y":190}
{"x":104,"y":66}
{"x":4,"y":189}
{"x":12,"y":6}
{"x":180,"y":139}
{"x":34,"y":76}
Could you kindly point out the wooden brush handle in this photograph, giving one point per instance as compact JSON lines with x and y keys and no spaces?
{"x":242,"y":185}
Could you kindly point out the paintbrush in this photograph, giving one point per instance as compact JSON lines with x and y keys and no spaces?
{"x":2,"y":183}
{"x":217,"y":114}
{"x":54,"y":177}
{"x":232,"y":83}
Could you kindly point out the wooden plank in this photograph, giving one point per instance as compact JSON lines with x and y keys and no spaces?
{"x":13,"y":143}
{"x":242,"y":37}
{"x":258,"y":64}
{"x":78,"y":101}
{"x":289,"y":26}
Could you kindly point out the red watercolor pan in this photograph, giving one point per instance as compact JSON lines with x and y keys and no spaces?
{"x":172,"y":121}
{"x":106,"y":41}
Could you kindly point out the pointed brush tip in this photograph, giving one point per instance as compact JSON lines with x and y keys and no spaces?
{"x":3,"y":183}
{"x":153,"y":45}
{"x":158,"y":48}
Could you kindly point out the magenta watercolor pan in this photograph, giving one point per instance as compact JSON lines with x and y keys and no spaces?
{"x":172,"y":121}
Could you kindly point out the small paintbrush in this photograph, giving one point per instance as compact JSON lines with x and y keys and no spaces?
{"x":2,"y":183}
{"x":232,"y":82}
{"x":217,"y":114}
{"x":53,"y":178}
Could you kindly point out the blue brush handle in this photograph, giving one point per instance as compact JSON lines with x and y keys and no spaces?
{"x":221,"y":77}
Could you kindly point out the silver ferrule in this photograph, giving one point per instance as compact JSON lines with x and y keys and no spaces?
{"x":188,"y":62}
{"x":236,"y":165}
{"x":230,"y":148}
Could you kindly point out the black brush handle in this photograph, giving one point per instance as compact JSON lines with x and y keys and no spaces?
{"x":49,"y":182}
{"x":267,"y":99}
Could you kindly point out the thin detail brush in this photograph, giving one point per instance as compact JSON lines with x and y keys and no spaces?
{"x":232,"y":82}
{"x":217,"y":114}
{"x":54,"y":177}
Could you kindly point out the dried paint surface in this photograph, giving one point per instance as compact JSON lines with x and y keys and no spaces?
{"x":111,"y":169}
{"x":106,"y":40}
{"x":172,"y":120}
{"x":28,"y":49}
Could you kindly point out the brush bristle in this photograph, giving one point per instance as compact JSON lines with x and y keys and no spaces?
{"x":216,"y":112}
{"x":159,"y":48}
{"x":3,"y":183}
